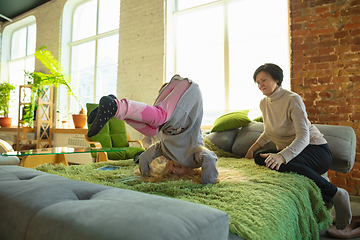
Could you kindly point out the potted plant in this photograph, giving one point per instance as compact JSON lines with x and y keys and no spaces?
{"x":79,"y":119}
{"x":5,"y":90}
{"x":57,"y":77}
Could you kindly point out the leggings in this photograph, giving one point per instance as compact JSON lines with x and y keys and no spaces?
{"x":146,"y":118}
{"x":312,"y":162}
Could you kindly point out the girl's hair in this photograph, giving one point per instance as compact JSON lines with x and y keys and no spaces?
{"x":160,"y":173}
{"x":274,"y":70}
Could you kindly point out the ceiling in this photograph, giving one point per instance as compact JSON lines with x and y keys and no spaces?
{"x":13,"y":8}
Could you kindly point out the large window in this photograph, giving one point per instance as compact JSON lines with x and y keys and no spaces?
{"x":94,"y":51}
{"x":219,"y":45}
{"x":21,"y":57}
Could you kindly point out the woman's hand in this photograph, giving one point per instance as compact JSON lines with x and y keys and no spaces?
{"x":249,"y":154}
{"x":251,"y":150}
{"x":273,"y":160}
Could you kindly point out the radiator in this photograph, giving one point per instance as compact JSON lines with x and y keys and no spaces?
{"x":77,"y":142}
{"x":80,"y":158}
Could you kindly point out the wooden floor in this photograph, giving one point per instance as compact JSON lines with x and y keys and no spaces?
{"x":355,"y":209}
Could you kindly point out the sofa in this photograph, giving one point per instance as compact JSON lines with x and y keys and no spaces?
{"x":39,"y":206}
{"x":341,"y":141}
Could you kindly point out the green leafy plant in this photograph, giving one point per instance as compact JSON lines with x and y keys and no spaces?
{"x":57,"y":77}
{"x":5,"y":91}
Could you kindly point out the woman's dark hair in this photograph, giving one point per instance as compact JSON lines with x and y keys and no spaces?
{"x":274,"y":70}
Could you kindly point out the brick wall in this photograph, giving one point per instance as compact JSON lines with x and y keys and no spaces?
{"x":325,"y":43}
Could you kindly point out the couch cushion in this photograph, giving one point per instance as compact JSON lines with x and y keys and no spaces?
{"x":223,"y":140}
{"x":52,"y":207}
{"x":342,"y":144}
{"x":247,"y":136}
{"x":231,"y":121}
{"x":341,"y":141}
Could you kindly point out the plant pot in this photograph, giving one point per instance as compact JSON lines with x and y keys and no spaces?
{"x":5,"y":121}
{"x":79,"y":120}
{"x":64,"y":124}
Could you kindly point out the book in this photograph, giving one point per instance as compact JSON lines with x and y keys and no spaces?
{"x":109,"y":167}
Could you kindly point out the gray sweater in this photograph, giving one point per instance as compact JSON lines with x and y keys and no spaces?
{"x":181,"y":139}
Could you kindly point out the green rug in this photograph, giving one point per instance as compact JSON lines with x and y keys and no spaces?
{"x":262,"y":204}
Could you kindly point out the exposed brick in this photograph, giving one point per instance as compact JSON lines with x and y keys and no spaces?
{"x":355,"y":78}
{"x":350,"y":11}
{"x":309,"y":25}
{"x":313,"y":110}
{"x":300,"y":19}
{"x":353,"y":101}
{"x":321,"y":66}
{"x":310,"y":81}
{"x":301,"y":47}
{"x":300,"y":33}
{"x":352,"y":191}
{"x":340,"y":79}
{"x":351,"y":26}
{"x":355,"y":48}
{"x":325,"y":58}
{"x":354,"y":3}
{"x":326,"y":51}
{"x":354,"y":18}
{"x":331,"y":173}
{"x":297,"y":40}
{"x":330,"y":43}
{"x":338,"y":181}
{"x":325,"y":95}
{"x":325,"y":15}
{"x":310,"y":67}
{"x":355,"y":40}
{"x":343,"y":49}
{"x":355,"y":32}
{"x":334,"y":102}
{"x":310,"y":96}
{"x":356,"y":174}
{"x":299,"y":74}
{"x":324,"y":80}
{"x":322,"y":31}
{"x":297,"y":67}
{"x":345,"y":109}
{"x":341,"y":34}
{"x":323,"y":73}
{"x":312,"y":39}
{"x":347,"y":72}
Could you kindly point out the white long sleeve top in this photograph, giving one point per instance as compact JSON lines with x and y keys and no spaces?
{"x":286,"y":123}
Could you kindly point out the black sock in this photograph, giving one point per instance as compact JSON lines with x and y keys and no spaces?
{"x":93,"y":113}
{"x":106,"y":110}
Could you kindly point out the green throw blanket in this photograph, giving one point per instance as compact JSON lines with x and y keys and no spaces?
{"x":262,"y":203}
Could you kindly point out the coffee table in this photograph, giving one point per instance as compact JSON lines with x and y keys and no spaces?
{"x":35,"y":157}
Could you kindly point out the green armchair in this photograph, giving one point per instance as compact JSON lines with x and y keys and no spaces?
{"x":113,"y":134}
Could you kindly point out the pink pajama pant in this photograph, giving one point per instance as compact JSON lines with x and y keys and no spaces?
{"x":146,"y":118}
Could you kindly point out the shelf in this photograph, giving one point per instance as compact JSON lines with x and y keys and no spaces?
{"x":52,"y":130}
{"x":69,"y":130}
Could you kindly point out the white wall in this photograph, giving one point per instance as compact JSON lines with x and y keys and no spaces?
{"x":141,"y":51}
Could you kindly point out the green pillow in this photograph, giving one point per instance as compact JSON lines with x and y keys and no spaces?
{"x":258,"y":119}
{"x":231,"y":120}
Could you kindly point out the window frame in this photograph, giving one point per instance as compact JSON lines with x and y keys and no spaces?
{"x":6,"y":59}
{"x":67,"y":49}
{"x":171,"y":11}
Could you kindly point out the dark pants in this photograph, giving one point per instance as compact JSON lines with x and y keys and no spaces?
{"x":313,"y":161}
